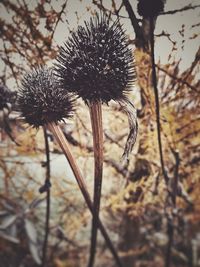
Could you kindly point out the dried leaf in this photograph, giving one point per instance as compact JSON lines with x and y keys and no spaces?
{"x":32,"y":235}
{"x":31,"y":231}
{"x":130,"y":110}
{"x":34,"y":252}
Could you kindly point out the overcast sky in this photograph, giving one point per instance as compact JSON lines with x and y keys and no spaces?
{"x":169,"y":23}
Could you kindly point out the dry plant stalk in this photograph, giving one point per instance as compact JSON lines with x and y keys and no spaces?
{"x":97,"y":131}
{"x":60,"y":138}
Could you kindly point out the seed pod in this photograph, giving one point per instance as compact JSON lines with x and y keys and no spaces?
{"x":150,"y":8}
{"x":41,"y":98}
{"x":96,"y":62}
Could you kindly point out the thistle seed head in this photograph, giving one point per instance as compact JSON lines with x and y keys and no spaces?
{"x":96,"y":62}
{"x":5,"y":97}
{"x":41,"y":98}
{"x":150,"y":8}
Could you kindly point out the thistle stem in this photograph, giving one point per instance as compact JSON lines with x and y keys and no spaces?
{"x":44,"y":249}
{"x":55,"y":129}
{"x":97,"y":130}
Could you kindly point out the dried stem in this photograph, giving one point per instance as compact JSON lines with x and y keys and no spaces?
{"x":132,"y":17}
{"x":97,"y":130}
{"x":82,"y":185}
{"x":154,"y":81}
{"x":170,"y":233}
{"x":176,"y":178}
{"x":170,"y":225}
{"x":47,"y":182}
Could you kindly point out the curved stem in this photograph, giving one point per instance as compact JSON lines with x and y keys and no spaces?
{"x":97,"y":130}
{"x":81,"y":183}
{"x":47,"y":181}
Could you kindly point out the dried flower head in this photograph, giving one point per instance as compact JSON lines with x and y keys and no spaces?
{"x":5,"y":97}
{"x":96,"y":62}
{"x":150,"y":8}
{"x":7,"y":101}
{"x":41,"y":98}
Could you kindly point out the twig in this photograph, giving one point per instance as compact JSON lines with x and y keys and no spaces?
{"x":175,"y":182}
{"x":171,"y":12}
{"x":11,"y":64}
{"x":154,"y":81}
{"x":134,"y":20}
{"x":47,"y":189}
{"x":58,"y":18}
{"x":178,"y":79}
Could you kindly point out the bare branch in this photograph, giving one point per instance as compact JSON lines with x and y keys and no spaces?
{"x":132,"y":17}
{"x":186,"y":8}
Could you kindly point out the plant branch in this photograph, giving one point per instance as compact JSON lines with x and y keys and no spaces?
{"x":178,"y":79}
{"x":188,"y":7}
{"x":134,"y":20}
{"x":176,"y":176}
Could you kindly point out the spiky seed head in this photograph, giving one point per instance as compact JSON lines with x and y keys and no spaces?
{"x":41,"y":98}
{"x":96,"y":62}
{"x":5,"y":97}
{"x":150,"y":8}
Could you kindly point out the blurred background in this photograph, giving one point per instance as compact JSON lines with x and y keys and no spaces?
{"x":151,"y":223}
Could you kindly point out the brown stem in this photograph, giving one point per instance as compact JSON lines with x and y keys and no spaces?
{"x":170,"y":225}
{"x":170,"y":230}
{"x":82,"y":185}
{"x":97,"y":130}
{"x":48,"y":197}
{"x":154,"y":81}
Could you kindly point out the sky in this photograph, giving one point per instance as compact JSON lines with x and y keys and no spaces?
{"x":171,"y":24}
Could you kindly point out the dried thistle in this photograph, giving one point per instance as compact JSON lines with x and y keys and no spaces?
{"x":7,"y":98}
{"x":43,"y":102}
{"x":150,"y":9}
{"x":97,"y":64}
